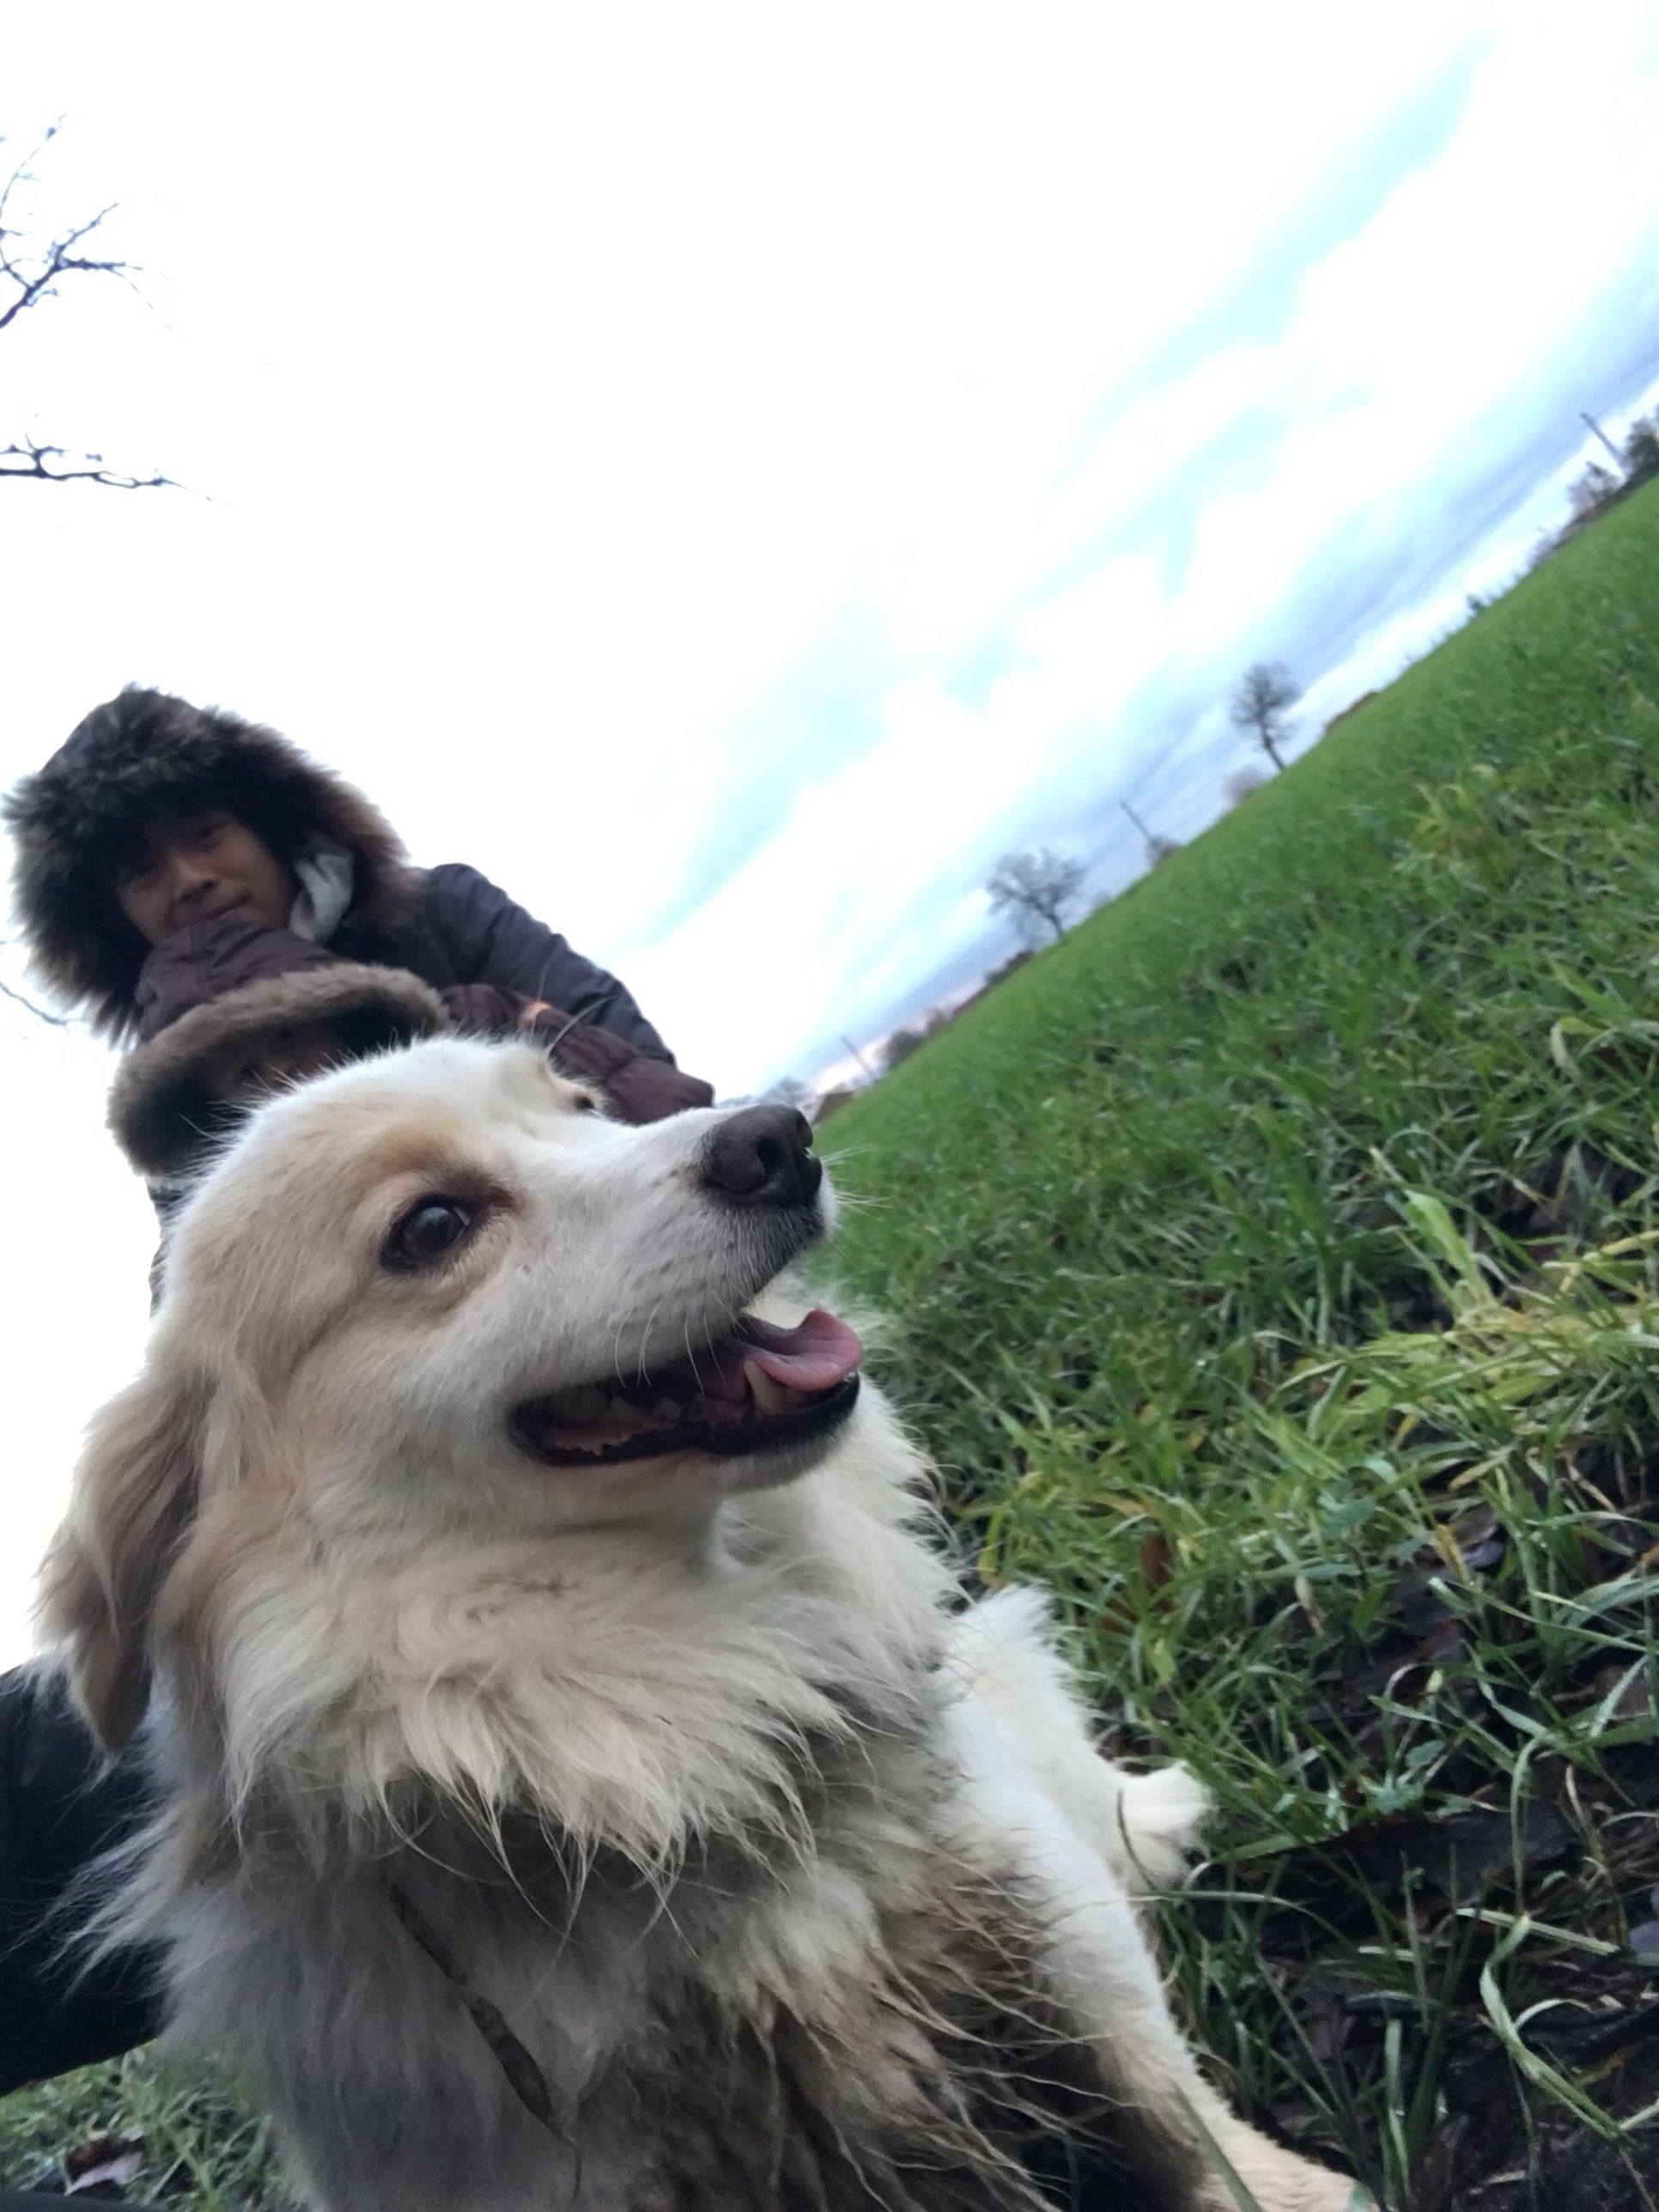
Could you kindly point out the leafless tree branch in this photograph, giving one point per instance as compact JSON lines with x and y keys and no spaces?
{"x":53,"y":1021}
{"x":32,"y":272}
{"x":35,"y":278}
{"x":32,"y":460}
{"x":29,"y":273}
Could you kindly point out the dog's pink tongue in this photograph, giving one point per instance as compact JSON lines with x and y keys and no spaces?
{"x":820,"y":1353}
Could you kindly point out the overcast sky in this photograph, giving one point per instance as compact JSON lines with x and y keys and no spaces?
{"x":729,"y":473}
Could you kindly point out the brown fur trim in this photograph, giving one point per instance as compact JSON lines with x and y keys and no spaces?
{"x":145,"y":750}
{"x":158,"y":1113}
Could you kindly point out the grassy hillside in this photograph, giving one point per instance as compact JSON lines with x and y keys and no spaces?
{"x":1272,"y":1266}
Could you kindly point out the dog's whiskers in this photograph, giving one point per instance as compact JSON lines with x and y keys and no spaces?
{"x":645,"y":1339}
{"x":690,"y":1356}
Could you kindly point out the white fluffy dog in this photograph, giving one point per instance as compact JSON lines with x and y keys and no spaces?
{"x":579,"y":1788}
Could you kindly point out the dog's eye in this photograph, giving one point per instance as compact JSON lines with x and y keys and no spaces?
{"x":426,"y":1232}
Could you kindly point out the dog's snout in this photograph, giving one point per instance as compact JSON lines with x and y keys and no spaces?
{"x":762,"y":1156}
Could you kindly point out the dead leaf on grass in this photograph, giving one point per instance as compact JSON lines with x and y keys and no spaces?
{"x":1460,"y":1854}
{"x":1401,"y":1676}
{"x":100,"y":2168}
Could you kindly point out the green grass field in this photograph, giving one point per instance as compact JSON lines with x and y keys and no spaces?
{"x":1272,"y":1266}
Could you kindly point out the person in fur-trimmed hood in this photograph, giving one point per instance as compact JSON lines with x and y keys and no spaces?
{"x":155,"y":815}
{"x":237,"y":916}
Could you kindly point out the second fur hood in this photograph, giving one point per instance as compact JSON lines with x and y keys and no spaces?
{"x":229,"y":986}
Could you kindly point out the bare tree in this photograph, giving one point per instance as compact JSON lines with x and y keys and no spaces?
{"x":1641,"y":448}
{"x":1592,"y":490}
{"x":790,"y":1090}
{"x":32,"y":269}
{"x":900,"y":1045}
{"x":1158,"y":848}
{"x":1035,"y":887}
{"x":1260,"y":698}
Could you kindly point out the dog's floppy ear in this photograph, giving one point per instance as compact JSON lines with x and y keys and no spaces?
{"x":134,"y":1499}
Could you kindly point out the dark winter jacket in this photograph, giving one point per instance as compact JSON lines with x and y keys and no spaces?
{"x":60,"y":1807}
{"x":446,"y":945}
{"x":464,"y":931}
{"x":228,"y":991}
{"x":75,"y":822}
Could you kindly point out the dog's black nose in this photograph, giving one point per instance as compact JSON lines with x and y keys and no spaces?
{"x":762,"y":1156}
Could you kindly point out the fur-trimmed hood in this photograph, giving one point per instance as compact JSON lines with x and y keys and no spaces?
{"x":216,"y":986}
{"x":73,"y":820}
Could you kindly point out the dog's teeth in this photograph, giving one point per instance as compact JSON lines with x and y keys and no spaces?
{"x":770,"y":1396}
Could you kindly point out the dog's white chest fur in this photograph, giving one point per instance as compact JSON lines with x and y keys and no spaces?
{"x":793,"y":2007}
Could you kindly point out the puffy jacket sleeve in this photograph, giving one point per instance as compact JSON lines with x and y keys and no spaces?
{"x":489,"y":939}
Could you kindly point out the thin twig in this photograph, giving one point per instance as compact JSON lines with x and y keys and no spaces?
{"x":524,"y":2077}
{"x":32,"y":272}
{"x":58,"y":261}
{"x":56,"y":1021}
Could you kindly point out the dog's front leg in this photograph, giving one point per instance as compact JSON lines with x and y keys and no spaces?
{"x":1101,"y":1967}
{"x":1145,"y":1826}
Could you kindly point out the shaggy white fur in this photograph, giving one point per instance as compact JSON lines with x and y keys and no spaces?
{"x":552,"y":1819}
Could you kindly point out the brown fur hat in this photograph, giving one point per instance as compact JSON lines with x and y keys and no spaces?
{"x":76,"y":819}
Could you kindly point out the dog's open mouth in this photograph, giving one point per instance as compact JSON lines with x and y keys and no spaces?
{"x":759,"y":1388}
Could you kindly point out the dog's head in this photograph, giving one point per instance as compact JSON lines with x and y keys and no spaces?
{"x":436,"y":1300}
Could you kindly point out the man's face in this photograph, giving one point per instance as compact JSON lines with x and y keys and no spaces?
{"x":198,"y":864}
